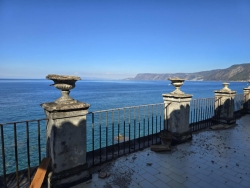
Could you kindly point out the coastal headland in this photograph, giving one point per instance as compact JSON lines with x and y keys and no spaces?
{"x":237,"y":72}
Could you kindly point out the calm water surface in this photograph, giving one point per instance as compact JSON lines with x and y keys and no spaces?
{"x":21,"y":99}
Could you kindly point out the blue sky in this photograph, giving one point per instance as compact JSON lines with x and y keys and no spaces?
{"x":118,"y":39}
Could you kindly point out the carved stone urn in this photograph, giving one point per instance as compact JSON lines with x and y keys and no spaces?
{"x":65,"y":84}
{"x":225,"y":87}
{"x":177,"y":83}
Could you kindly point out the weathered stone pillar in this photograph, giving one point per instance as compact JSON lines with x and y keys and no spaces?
{"x":224,"y":105}
{"x":177,"y":108}
{"x":66,"y":136}
{"x":247,"y":99}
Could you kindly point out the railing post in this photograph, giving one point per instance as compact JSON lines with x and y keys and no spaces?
{"x":176,"y":113}
{"x":224,"y":105}
{"x":247,"y":99}
{"x":66,"y":136}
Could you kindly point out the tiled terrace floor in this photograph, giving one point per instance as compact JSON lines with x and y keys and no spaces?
{"x":218,"y":158}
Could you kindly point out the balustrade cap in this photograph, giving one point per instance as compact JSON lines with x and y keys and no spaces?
{"x":62,"y":77}
{"x":52,"y":106}
{"x":177,"y":95}
{"x":247,"y":88}
{"x":224,"y":91}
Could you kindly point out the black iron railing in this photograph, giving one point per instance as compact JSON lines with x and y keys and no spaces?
{"x":201,"y":113}
{"x":110,"y":134}
{"x":238,"y":102}
{"x":120,"y":131}
{"x":22,"y":148}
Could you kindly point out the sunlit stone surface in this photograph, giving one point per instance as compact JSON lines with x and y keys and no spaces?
{"x":247,"y":99}
{"x":176,"y":114}
{"x":224,"y":105}
{"x":66,"y":135}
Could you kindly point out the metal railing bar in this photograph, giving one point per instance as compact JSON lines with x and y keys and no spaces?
{"x":148,"y":125}
{"x":98,"y":111}
{"x":134,"y":126}
{"x":28,"y":149}
{"x":124,"y":132}
{"x":118,"y":135}
{"x":113,"y":135}
{"x":3,"y":157}
{"x":39,"y":141}
{"x":156,"y":122}
{"x":106,"y":135}
{"x":129,"y":118}
{"x":161,"y":116}
{"x":16,"y":155}
{"x":33,"y":120}
{"x":144,"y":121}
{"x":100,"y":132}
{"x":152,"y":123}
{"x":202,"y":98}
{"x":93,"y":139}
{"x":139,"y":124}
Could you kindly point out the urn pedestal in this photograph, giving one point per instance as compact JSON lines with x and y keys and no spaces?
{"x":66,"y":136}
{"x":224,"y":105}
{"x":246,"y":106}
{"x":176,"y":115}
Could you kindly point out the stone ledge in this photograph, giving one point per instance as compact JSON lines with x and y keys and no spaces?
{"x":222,"y":126}
{"x":52,"y":106}
{"x":159,"y":148}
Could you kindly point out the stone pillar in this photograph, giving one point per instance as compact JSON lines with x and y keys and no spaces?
{"x":66,"y":136}
{"x":176,"y":115}
{"x":247,"y":99}
{"x":224,"y":105}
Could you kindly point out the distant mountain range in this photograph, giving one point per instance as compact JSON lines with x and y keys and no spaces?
{"x":240,"y":72}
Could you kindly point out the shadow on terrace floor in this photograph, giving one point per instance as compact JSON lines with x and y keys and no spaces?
{"x":214,"y":158}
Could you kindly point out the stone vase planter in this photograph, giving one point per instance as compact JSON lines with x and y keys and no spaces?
{"x":225,"y":87}
{"x":166,"y":137}
{"x":177,"y":83}
{"x":65,"y":84}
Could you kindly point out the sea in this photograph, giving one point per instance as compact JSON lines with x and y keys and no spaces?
{"x":20,"y":100}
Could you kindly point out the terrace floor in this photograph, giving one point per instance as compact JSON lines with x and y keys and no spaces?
{"x":214,"y":158}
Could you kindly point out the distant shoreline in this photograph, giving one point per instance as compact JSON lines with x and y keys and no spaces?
{"x":43,"y":79}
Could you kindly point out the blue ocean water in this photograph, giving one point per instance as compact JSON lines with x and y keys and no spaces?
{"x":20,"y":100}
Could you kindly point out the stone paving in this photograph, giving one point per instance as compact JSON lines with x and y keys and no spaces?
{"x":214,"y":158}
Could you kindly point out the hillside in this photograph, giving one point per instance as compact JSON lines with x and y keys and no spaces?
{"x":240,"y":72}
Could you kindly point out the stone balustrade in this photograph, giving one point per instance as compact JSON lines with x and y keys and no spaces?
{"x":66,"y":126}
